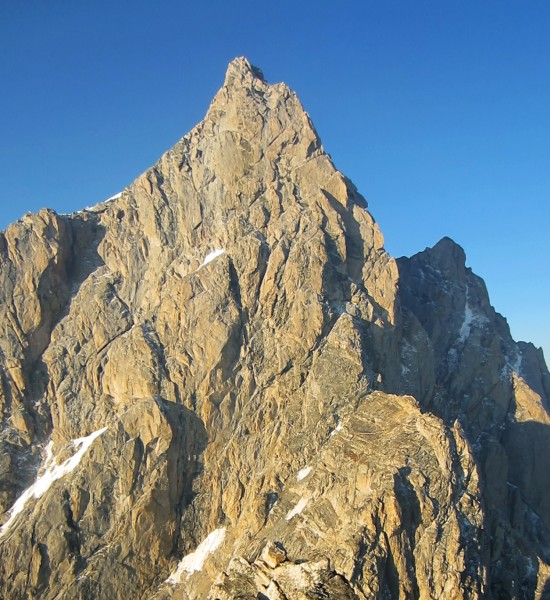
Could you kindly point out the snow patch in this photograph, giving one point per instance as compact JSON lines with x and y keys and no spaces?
{"x":512,"y":365}
{"x":303,"y":473}
{"x":115,"y":197}
{"x":338,"y":428}
{"x":470,"y":319}
{"x":194,"y":562}
{"x":464,"y":332}
{"x":211,"y":256}
{"x":515,"y":365}
{"x":50,"y":473}
{"x":302,"y":503}
{"x":49,"y":454}
{"x":99,"y":205}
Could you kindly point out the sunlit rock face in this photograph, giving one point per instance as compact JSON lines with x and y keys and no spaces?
{"x":217,"y":384}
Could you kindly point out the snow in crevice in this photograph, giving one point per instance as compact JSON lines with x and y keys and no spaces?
{"x":115,"y":197}
{"x":51,"y":472}
{"x":302,"y":503}
{"x":101,"y":204}
{"x":212,"y":256}
{"x":303,"y":473}
{"x":513,"y":363}
{"x":470,"y":319}
{"x":272,"y":501}
{"x":48,"y":460}
{"x":194,"y":561}
{"x":516,"y":365}
{"x":338,"y":428}
{"x":464,"y":332}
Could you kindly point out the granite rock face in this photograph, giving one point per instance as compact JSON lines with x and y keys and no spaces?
{"x":218,"y":384}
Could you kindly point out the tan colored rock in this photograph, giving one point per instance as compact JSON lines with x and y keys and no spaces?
{"x":273,"y":554}
{"x":233,"y":333}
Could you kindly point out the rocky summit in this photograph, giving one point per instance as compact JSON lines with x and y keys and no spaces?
{"x":218,"y":385}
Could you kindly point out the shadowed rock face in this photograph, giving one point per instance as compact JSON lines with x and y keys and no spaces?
{"x":498,"y":390}
{"x":223,"y":365}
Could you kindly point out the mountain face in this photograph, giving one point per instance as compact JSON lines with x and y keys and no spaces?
{"x":219,"y":385}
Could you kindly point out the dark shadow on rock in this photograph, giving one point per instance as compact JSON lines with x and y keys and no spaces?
{"x":340,"y":278}
{"x":184,"y":456}
{"x":360,"y":558}
{"x":355,"y":245}
{"x":390,"y":576}
{"x":407,"y":498}
{"x":58,"y":290}
{"x":88,"y":233}
{"x":271,"y":499}
{"x":527,"y":445}
{"x":406,"y":495}
{"x":59,"y":282}
{"x":512,"y":457}
{"x":184,"y":466}
{"x":161,"y":482}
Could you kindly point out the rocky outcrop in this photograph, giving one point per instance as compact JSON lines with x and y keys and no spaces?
{"x":218,"y":384}
{"x":392,"y":493}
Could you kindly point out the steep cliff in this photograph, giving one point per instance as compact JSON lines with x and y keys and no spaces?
{"x":218,"y":384}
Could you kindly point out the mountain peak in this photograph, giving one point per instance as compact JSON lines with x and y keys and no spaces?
{"x":262,"y":131}
{"x":241,"y":71}
{"x":446,"y":256}
{"x":448,"y":251}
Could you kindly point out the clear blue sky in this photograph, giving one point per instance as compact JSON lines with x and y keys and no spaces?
{"x":439,"y":112}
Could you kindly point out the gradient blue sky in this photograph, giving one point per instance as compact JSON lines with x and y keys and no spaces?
{"x":439,"y":111}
